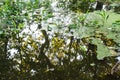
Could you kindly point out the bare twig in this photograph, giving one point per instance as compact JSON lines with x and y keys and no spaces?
{"x":115,"y":67}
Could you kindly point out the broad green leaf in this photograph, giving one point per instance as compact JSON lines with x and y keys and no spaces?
{"x":102,"y":50}
{"x":117,"y":40}
{"x":111,"y":35}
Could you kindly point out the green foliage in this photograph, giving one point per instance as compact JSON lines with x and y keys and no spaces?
{"x":84,"y":54}
{"x":80,"y":5}
{"x":102,"y":50}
